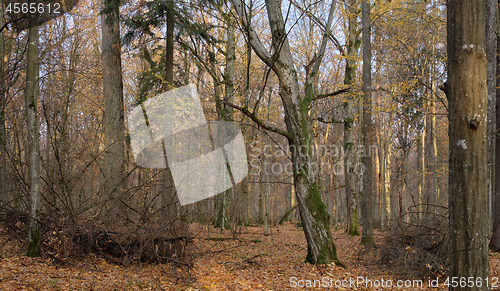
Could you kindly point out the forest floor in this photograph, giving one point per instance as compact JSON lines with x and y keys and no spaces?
{"x":251,"y":261}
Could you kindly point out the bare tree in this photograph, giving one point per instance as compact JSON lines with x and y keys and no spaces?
{"x":315,"y":218}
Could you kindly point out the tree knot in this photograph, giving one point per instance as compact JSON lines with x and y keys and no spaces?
{"x":474,"y":123}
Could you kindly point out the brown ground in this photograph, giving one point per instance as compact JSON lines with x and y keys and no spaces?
{"x":252,"y":262}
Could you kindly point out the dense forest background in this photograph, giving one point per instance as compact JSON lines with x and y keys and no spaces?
{"x":342,"y":105}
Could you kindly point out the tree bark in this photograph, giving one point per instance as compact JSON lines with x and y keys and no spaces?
{"x":432,"y":164}
{"x":170,"y":203}
{"x":3,"y":104}
{"x":368,"y":131}
{"x":265,"y":190}
{"x":491,"y":49}
{"x":385,"y":161}
{"x":114,"y":155}
{"x":373,"y":151}
{"x":225,"y":112}
{"x":352,"y":50}
{"x":467,"y":96}
{"x":388,"y":198}
{"x":421,"y":164}
{"x":31,"y":107}
{"x":495,"y":237}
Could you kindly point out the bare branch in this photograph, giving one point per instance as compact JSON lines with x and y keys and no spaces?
{"x":321,"y":119}
{"x":318,"y":22}
{"x":257,"y":120}
{"x":252,"y":36}
{"x":5,"y":26}
{"x":324,"y":41}
{"x":326,"y":95}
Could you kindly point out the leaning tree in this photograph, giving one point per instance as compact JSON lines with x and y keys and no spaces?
{"x":296,"y":103}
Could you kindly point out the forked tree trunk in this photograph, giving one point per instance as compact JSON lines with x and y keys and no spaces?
{"x":467,"y":96}
{"x":114,"y":152}
{"x":315,"y":218}
{"x":31,"y":105}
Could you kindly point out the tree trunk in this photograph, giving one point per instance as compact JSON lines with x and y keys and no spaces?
{"x":169,"y":46}
{"x":368,"y":130}
{"x":467,"y":96}
{"x":351,"y":66}
{"x":495,"y":236}
{"x":373,"y":152}
{"x":421,"y":164}
{"x":3,"y":103}
{"x":315,"y":218}
{"x":263,"y":169}
{"x":266,"y":202}
{"x":31,"y":105}
{"x":405,"y":193}
{"x":246,"y":184}
{"x":251,"y":135}
{"x":388,"y":198}
{"x":385,"y":149}
{"x":491,"y":49}
{"x":169,"y":201}
{"x":114,"y":155}
{"x":225,"y":112}
{"x":432,"y":164}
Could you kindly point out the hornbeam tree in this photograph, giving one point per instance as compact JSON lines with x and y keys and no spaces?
{"x":467,"y":96}
{"x":313,"y":213}
{"x":31,"y":105}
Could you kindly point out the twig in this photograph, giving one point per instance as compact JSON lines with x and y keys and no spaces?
{"x":258,"y":121}
{"x":334,"y":93}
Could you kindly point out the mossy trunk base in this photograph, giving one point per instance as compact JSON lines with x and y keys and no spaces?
{"x":321,"y":249}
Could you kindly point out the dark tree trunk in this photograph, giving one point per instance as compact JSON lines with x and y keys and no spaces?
{"x":467,"y":96}
{"x":170,"y":203}
{"x":369,"y":183}
{"x":495,"y":236}
{"x":3,"y":102}
{"x":491,"y":49}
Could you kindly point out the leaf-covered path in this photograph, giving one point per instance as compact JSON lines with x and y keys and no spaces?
{"x":250,"y":262}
